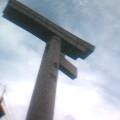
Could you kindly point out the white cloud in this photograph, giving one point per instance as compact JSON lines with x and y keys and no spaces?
{"x":83,"y":103}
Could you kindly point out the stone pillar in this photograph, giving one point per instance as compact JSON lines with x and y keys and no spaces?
{"x":43,"y":98}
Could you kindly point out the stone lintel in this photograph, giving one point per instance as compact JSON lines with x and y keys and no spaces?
{"x":43,"y":28}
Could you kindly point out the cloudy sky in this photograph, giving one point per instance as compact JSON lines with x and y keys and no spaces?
{"x":94,"y":95}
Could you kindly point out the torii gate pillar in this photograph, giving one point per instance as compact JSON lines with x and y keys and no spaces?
{"x":43,"y":99}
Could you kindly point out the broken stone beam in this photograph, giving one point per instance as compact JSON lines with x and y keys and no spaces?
{"x":67,"y":67}
{"x":43,"y":28}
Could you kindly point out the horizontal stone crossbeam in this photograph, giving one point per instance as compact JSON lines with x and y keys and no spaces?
{"x":44,"y":28}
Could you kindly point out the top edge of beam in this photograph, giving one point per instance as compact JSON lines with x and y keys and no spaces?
{"x":42,"y":27}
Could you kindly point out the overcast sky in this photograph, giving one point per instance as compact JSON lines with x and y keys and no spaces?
{"x":94,"y":95}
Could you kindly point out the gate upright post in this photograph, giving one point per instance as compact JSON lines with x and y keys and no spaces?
{"x":43,"y":98}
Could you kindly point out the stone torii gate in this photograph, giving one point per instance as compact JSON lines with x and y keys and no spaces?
{"x":59,"y":43}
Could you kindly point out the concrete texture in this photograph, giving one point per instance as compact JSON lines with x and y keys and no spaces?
{"x":43,"y":99}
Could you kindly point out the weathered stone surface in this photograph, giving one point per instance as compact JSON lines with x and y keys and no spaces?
{"x":43,"y":99}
